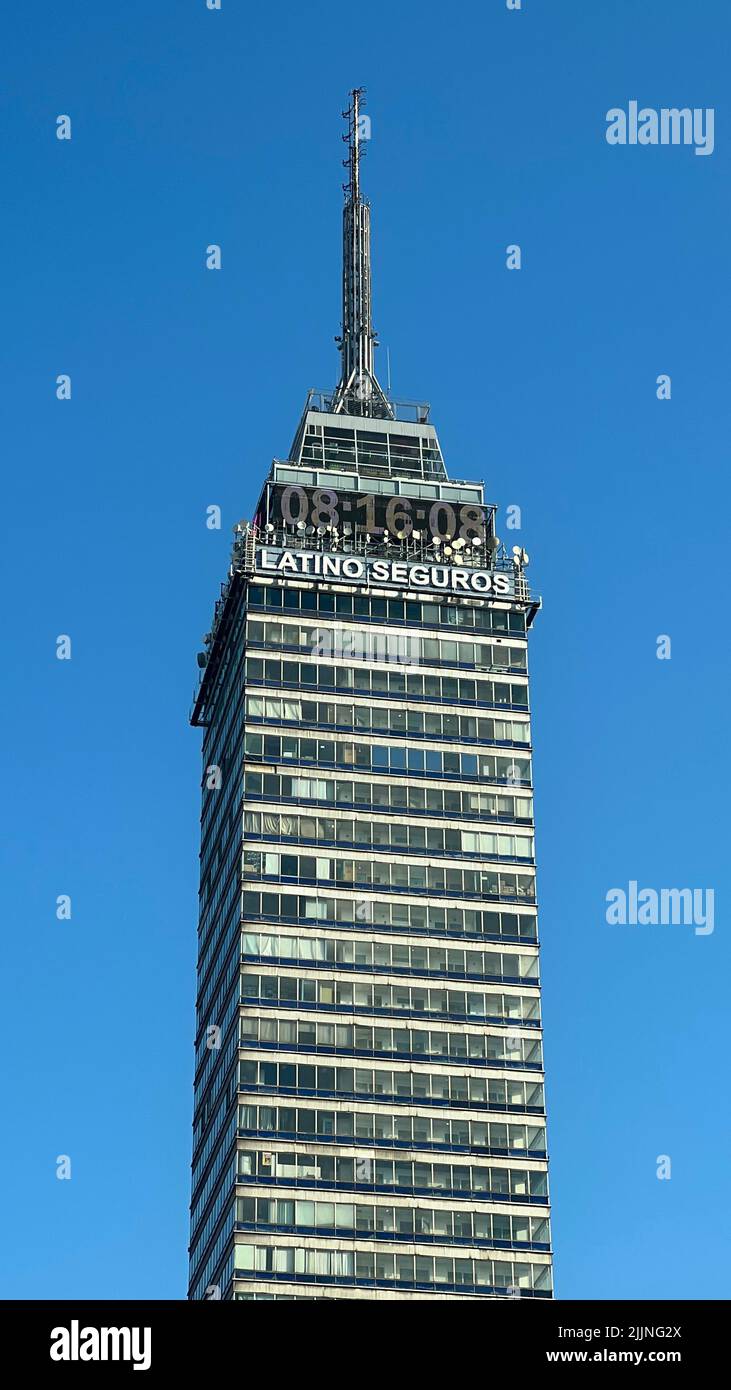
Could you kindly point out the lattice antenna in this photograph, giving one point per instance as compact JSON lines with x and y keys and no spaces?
{"x":359,"y":392}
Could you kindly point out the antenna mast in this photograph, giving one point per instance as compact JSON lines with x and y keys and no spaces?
{"x":359,"y":392}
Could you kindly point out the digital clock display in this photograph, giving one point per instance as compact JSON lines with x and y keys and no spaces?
{"x":298,"y":507}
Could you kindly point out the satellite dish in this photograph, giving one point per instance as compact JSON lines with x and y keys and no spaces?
{"x":269,"y":527}
{"x":447,"y":550}
{"x":436,"y":542}
{"x":458,"y":545}
{"x":347,"y":530}
{"x":300,"y":525}
{"x":321,"y":530}
{"x":309,"y":530}
{"x":416,"y":535}
{"x":492,"y":542}
{"x":476,"y":543}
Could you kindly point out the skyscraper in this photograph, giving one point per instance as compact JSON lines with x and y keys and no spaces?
{"x":369,"y":1107}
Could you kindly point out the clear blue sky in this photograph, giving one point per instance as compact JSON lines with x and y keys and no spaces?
{"x":192,"y":127}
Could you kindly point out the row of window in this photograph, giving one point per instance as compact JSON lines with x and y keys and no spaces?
{"x":200,"y":1278}
{"x":385,"y":719}
{"x":513,"y":770}
{"x":392,"y":957}
{"x":219,"y":928}
{"x":213,"y":1139}
{"x":408,"y":1044}
{"x":404,"y":649}
{"x":368,"y":608}
{"x":493,"y":1006}
{"x":407,"y":1271}
{"x":406,"y":1175}
{"x":228,"y":690}
{"x":218,"y":873}
{"x":373,"y":453}
{"x":389,"y":797}
{"x":362,"y":680}
{"x":377,"y":1083}
{"x":252,"y":1296}
{"x":225,"y":823}
{"x":390,"y":877}
{"x":223,"y":735}
{"x":417,"y":917}
{"x":400,"y":836}
{"x":393,"y":1131}
{"x":201,"y":1232}
{"x":363,"y":1221}
{"x":215,"y":906}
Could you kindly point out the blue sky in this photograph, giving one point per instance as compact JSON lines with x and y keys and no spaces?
{"x":191,"y":127}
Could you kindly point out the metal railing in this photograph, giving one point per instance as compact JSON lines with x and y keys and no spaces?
{"x":409,"y":412}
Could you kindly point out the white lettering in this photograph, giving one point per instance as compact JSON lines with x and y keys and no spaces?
{"x":670,"y":125}
{"x":419,"y":574}
{"x":397,"y":572}
{"x":102,"y":1344}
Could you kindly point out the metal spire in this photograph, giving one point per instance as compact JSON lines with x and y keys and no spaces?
{"x":359,"y":392}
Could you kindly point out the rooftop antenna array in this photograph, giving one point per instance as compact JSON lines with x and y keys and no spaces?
{"x":358,"y":392}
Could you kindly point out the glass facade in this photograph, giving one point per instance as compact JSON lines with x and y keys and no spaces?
{"x":369,"y":1100}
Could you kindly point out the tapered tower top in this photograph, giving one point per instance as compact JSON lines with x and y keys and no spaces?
{"x":382,"y":438}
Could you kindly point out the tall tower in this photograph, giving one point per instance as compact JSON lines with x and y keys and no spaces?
{"x":369,"y":1106}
